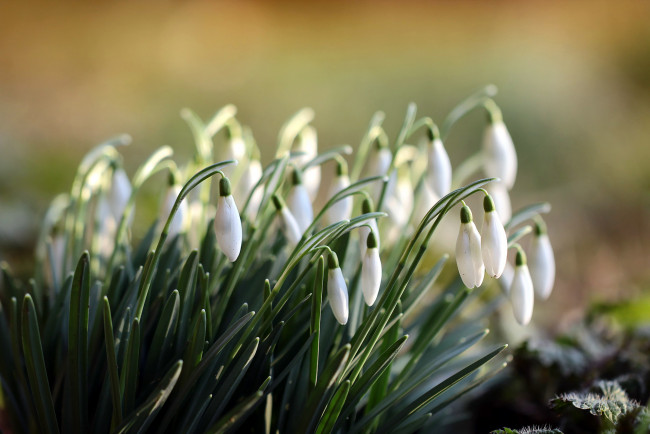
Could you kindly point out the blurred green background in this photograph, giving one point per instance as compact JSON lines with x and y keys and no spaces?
{"x":574,"y":80}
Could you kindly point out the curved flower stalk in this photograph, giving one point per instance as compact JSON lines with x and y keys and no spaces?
{"x":498,"y":149}
{"x":542,"y":262}
{"x":371,"y":269}
{"x":178,"y":222}
{"x":438,"y":166}
{"x":366,"y":208}
{"x":299,"y":202}
{"x":227,"y":223}
{"x":337,"y":290}
{"x":288,"y":223}
{"x":307,"y":143}
{"x":501,"y":199}
{"x":522,"y":296}
{"x":468,"y":251}
{"x":494,"y":242}
{"x":247,"y":181}
{"x":342,"y":209}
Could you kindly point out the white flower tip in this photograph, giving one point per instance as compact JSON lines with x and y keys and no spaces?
{"x":337,"y":291}
{"x":228,"y":229}
{"x":522,"y":295}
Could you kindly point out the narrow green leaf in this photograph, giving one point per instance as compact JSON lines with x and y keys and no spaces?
{"x":526,"y":213}
{"x":333,"y":409}
{"x":163,"y":338}
{"x":111,"y":359}
{"x":235,"y":416}
{"x":186,"y":287}
{"x":194,"y":348}
{"x":129,"y":379}
{"x":35,"y":363}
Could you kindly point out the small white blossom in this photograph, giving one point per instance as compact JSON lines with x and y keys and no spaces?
{"x":370,"y":270}
{"x":378,"y":165}
{"x":120,"y":193}
{"x":227,"y":223}
{"x":468,"y":251}
{"x":399,"y":203}
{"x":308,"y":145}
{"x":341,"y":209}
{"x":499,"y":153}
{"x":542,"y":262}
{"x":299,"y":203}
{"x":501,"y":199}
{"x":366,"y":208}
{"x":178,"y":222}
{"x":521,"y":292}
{"x":494,"y":242}
{"x":249,"y":178}
{"x":438,"y":167}
{"x":337,"y":290}
{"x":288,"y":223}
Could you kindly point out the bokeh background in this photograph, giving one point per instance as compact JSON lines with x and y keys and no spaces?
{"x":574,"y":80}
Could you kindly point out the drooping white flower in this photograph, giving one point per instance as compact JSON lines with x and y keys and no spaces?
{"x":227,"y":223}
{"x":494,"y":241}
{"x":438,"y":166}
{"x":371,"y":270}
{"x":501,"y":199}
{"x":425,"y":199}
{"x":337,"y":290}
{"x":341,"y":209}
{"x":499,"y":152}
{"x":299,"y":202}
{"x":249,"y":178}
{"x":235,"y":145}
{"x":542,"y":262}
{"x":522,"y":295}
{"x":288,"y":223}
{"x":399,"y":202}
{"x":178,"y":222}
{"x":307,"y":144}
{"x":119,"y":193}
{"x":366,"y":208}
{"x":378,"y":164}
{"x":468,"y":251}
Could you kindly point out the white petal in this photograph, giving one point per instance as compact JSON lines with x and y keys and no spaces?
{"x":249,"y":177}
{"x":439,"y":168}
{"x":178,"y":222}
{"x":542,"y":265}
{"x":290,"y":227}
{"x":337,"y":294}
{"x":501,"y":199}
{"x":364,"y":231}
{"x":370,"y":275}
{"x":494,"y":244}
{"x":426,"y":198}
{"x":342,"y":209}
{"x":299,"y":204}
{"x":468,"y":255}
{"x":499,"y":153}
{"x":308,"y":145}
{"x":378,"y":165}
{"x":522,"y":295}
{"x":119,"y":194}
{"x":399,"y":200}
{"x":505,"y":281}
{"x":227,"y":226}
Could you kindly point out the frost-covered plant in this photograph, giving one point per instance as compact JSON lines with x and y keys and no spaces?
{"x":217,"y":320}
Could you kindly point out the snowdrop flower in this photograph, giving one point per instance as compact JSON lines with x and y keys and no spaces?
{"x":438,"y":166}
{"x":468,"y":251}
{"x":494,"y":242}
{"x":308,"y":145}
{"x":235,"y":146}
{"x":337,"y":290}
{"x":371,"y":270}
{"x":299,"y":203}
{"x":399,"y":201}
{"x":227,"y":223}
{"x":341,"y":209}
{"x":426,"y":198}
{"x":499,"y":151}
{"x":521,"y":291}
{"x":542,"y":262}
{"x":501,"y":199}
{"x":249,"y":178}
{"x":119,"y":193}
{"x":178,"y":222}
{"x":378,"y":165}
{"x":288,"y":223}
{"x":366,"y":208}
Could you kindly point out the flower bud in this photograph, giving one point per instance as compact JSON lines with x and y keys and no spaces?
{"x":337,"y":290}
{"x":119,"y":194}
{"x":542,"y":262}
{"x":468,"y":251}
{"x":299,"y":202}
{"x":499,"y":152}
{"x":438,"y":167}
{"x":249,"y":178}
{"x":178,"y":222}
{"x":370,"y":270}
{"x":378,"y":164}
{"x":288,"y":223}
{"x":521,"y":291}
{"x":366,"y":208}
{"x":341,"y":209}
{"x":308,"y":145}
{"x":227,"y":223}
{"x":494,"y":242}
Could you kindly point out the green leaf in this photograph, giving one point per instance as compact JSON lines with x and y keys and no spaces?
{"x":526,"y":213}
{"x":111,"y":359}
{"x":186,"y":286}
{"x":163,"y":338}
{"x":314,"y":324}
{"x":333,"y":409}
{"x":129,"y":379}
{"x":35,"y":363}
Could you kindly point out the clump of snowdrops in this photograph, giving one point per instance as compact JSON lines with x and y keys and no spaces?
{"x":246,"y":306}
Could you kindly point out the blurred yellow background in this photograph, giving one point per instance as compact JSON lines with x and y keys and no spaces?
{"x":574,"y":80}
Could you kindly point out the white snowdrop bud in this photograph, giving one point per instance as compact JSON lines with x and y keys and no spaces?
{"x":341,"y":209}
{"x":399,"y":201}
{"x":299,"y":203}
{"x":468,"y":251}
{"x":501,"y":199}
{"x":499,"y":151}
{"x":521,"y":291}
{"x":288,"y":223}
{"x":235,"y":146}
{"x":371,"y":270}
{"x":542,"y":262}
{"x":308,"y":145}
{"x":227,"y":223}
{"x":178,"y":222}
{"x":494,"y":242}
{"x":249,"y":178}
{"x":119,"y":194}
{"x":438,"y":166}
{"x":378,"y":165}
{"x":337,"y":290}
{"x":366,"y":208}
